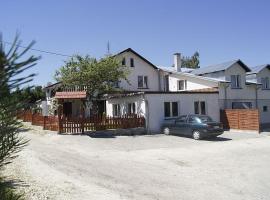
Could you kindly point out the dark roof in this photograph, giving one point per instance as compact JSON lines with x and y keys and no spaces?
{"x":52,"y":85}
{"x":134,"y":52}
{"x":219,"y":67}
{"x":134,"y":93}
{"x":257,"y":69}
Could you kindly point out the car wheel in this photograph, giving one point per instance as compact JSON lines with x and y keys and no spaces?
{"x":166,"y":131}
{"x":196,"y":135}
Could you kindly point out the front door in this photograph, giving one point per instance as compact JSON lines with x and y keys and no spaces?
{"x":67,"y":109}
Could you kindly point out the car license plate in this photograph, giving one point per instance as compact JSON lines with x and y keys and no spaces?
{"x":216,"y":126}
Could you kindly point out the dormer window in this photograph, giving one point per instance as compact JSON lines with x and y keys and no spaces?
{"x":123,"y":61}
{"x":182,"y":84}
{"x":131,"y":62}
{"x":265,"y":83}
{"x":235,"y":81}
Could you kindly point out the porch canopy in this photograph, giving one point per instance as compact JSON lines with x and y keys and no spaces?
{"x":71,"y":95}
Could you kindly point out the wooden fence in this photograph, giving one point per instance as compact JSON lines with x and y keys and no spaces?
{"x":243,"y":119}
{"x":99,"y":122}
{"x":80,"y":125}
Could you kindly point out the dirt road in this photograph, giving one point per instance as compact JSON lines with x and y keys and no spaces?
{"x":62,"y":167}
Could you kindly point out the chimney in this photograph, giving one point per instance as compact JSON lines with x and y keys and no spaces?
{"x":177,"y":62}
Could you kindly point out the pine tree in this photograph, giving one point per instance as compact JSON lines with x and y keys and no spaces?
{"x":12,"y":64}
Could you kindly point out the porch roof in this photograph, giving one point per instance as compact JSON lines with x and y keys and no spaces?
{"x":71,"y":95}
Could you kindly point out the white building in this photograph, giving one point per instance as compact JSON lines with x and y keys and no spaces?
{"x":161,"y":93}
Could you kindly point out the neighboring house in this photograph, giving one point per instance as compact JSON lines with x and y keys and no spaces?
{"x":234,"y":90}
{"x":261,"y":75}
{"x":161,"y":93}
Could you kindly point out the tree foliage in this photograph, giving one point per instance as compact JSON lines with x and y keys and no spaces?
{"x":12,"y":64}
{"x":191,"y":62}
{"x":29,"y":95}
{"x":98,"y":75}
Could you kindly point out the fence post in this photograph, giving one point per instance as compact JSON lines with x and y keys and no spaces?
{"x":82,"y":123}
{"x":32,"y":117}
{"x":44,"y":122}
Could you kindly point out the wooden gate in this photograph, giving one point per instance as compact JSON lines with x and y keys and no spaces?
{"x":242,"y":119}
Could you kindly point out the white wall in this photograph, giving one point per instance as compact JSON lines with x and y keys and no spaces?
{"x":263,"y":94}
{"x":138,"y":100}
{"x":155,"y":103}
{"x":246,"y":92}
{"x":192,"y":82}
{"x":141,"y":68}
{"x":185,"y":106}
{"x":264,"y":97}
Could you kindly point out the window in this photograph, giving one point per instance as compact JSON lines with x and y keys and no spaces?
{"x":131,"y":108}
{"x":174,"y":109}
{"x":166,"y":83}
{"x":200,"y":107}
{"x":241,"y":105}
{"x":192,"y":119}
{"x":167,"y":109}
{"x":124,"y":61}
{"x":116,"y":110}
{"x":182,"y":84}
{"x":181,"y":119}
{"x":265,"y":108}
{"x":170,"y":109}
{"x":265,"y":83}
{"x":235,"y":81}
{"x":116,"y":84}
{"x":131,"y":62}
{"x":142,"y":82}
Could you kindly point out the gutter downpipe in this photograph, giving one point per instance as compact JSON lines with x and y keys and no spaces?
{"x":256,"y":95}
{"x":225,"y":95}
{"x":146,"y":115}
{"x":159,"y":81}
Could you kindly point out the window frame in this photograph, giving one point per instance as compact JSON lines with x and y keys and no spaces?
{"x":197,"y":105}
{"x":184,"y":85}
{"x":172,"y":111}
{"x":116,"y":110}
{"x":265,"y":108}
{"x":124,"y":61}
{"x":265,"y":83}
{"x":144,"y":80}
{"x":131,"y":108}
{"x":236,"y":81}
{"x":131,"y":60}
{"x":166,"y":83}
{"x":243,"y":103}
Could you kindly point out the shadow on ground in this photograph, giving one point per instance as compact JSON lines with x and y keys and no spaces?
{"x":218,"y":139}
{"x":101,"y":135}
{"x":12,"y":183}
{"x":24,"y":129}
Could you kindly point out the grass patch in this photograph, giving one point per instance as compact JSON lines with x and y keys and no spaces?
{"x":7,"y":191}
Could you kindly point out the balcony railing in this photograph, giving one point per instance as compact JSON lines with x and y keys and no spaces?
{"x":73,"y":88}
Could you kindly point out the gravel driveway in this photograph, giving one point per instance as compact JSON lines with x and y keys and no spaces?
{"x":66,"y":167}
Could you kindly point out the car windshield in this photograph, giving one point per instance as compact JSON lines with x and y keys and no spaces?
{"x":203,"y":119}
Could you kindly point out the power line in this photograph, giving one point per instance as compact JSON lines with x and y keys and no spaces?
{"x":39,"y":50}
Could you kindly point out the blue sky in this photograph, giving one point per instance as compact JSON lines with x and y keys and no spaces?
{"x":220,"y":30}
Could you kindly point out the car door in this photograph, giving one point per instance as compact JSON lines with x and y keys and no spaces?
{"x":192,"y":122}
{"x":180,"y":125}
